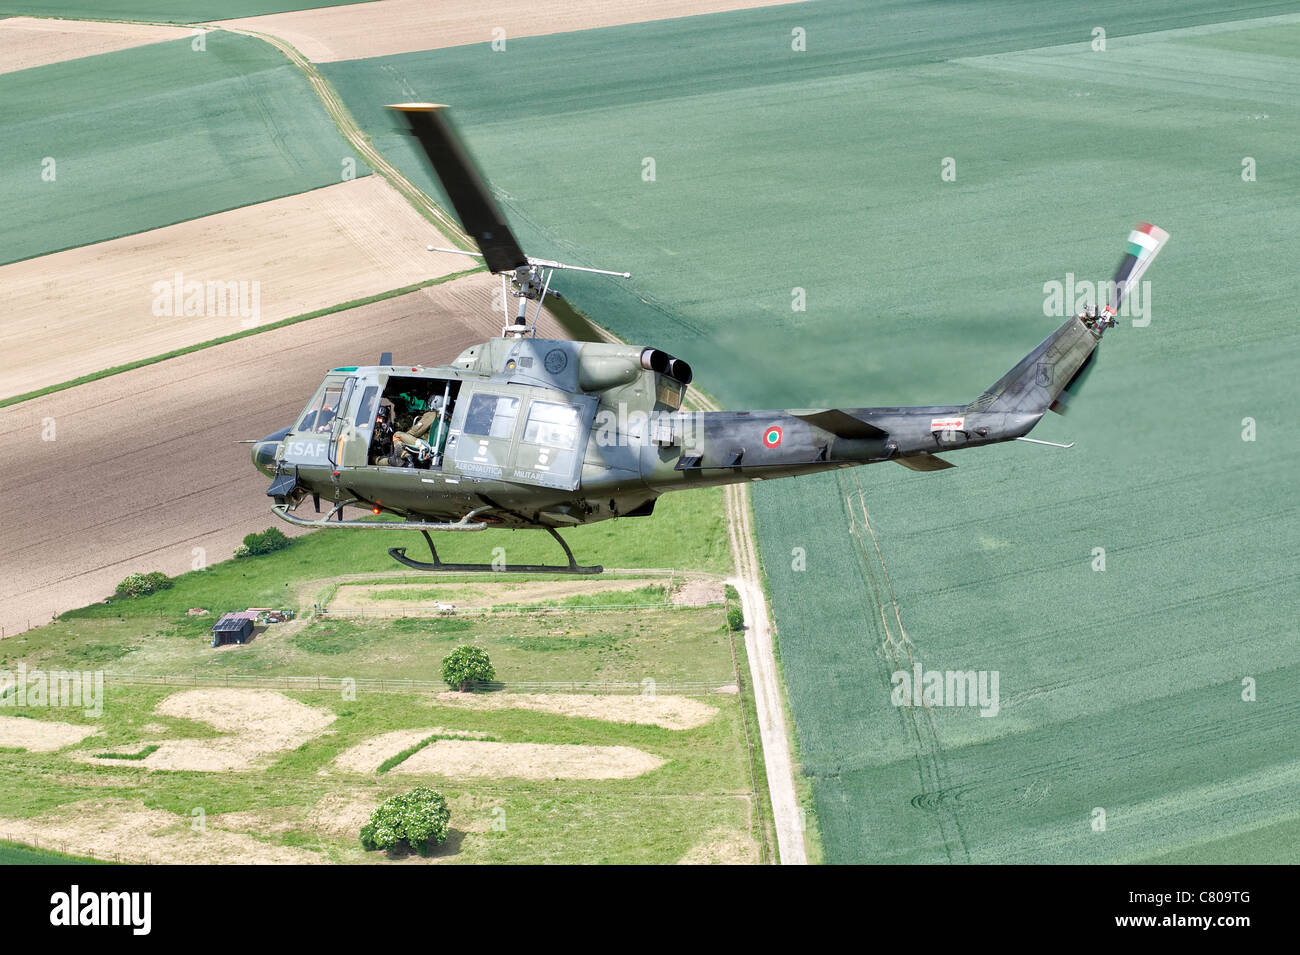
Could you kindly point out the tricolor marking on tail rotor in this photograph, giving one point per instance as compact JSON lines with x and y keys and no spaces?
{"x":1146,"y":239}
{"x":1144,"y":242}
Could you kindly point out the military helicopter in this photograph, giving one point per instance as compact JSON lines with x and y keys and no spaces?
{"x":524,"y":432}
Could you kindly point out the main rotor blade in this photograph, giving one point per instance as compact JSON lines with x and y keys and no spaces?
{"x":478,"y":212}
{"x":1144,"y":243}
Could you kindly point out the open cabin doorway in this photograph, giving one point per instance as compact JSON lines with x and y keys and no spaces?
{"x":411,"y":421}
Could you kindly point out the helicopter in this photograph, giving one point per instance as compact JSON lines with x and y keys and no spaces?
{"x":526,"y":432}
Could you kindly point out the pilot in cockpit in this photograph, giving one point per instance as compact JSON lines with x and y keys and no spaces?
{"x":382,"y":451}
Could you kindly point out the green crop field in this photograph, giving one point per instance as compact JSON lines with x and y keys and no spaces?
{"x":155,"y":135}
{"x":777,"y":171}
{"x":167,"y":11}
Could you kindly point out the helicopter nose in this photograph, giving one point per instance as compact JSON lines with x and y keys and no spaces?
{"x":264,"y":452}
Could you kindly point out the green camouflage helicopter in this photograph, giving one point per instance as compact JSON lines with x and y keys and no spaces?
{"x":524,"y":432}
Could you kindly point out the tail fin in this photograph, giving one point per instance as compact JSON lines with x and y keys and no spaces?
{"x":1050,"y":375}
{"x":1036,"y":382}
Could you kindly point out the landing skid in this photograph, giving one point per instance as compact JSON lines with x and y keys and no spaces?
{"x":438,"y":566}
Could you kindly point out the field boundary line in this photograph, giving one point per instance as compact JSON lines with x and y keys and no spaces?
{"x":356,"y":137}
{"x":236,"y":336}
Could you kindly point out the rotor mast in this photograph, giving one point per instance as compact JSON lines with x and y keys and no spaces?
{"x":529,"y":283}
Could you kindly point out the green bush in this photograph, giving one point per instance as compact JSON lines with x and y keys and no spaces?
{"x":141,"y":585}
{"x":158,"y":580}
{"x":735,"y":614}
{"x":267,"y":542}
{"x":465,"y":666}
{"x":418,"y":818}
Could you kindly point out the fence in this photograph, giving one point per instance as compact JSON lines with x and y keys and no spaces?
{"x":67,"y":849}
{"x":493,"y":610}
{"x":392,"y":685}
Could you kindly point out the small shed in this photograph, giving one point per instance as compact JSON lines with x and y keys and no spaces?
{"x":233,"y":628}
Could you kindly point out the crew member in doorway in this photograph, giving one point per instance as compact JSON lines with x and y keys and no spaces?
{"x":432,"y":423}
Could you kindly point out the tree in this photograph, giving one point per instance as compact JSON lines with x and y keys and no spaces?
{"x":269,"y":541}
{"x":465,"y":666}
{"x":418,"y":818}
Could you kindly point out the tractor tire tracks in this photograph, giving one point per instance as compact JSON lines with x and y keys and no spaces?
{"x":900,"y":654}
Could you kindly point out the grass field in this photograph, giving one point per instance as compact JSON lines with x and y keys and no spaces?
{"x":155,"y":135}
{"x":170,"y":11}
{"x":686,"y":532}
{"x":776,"y":170}
{"x":584,"y":820}
{"x":668,"y":645}
{"x":700,"y":802}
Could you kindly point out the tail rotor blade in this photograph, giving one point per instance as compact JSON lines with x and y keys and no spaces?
{"x":1144,"y":243}
{"x":478,"y":212}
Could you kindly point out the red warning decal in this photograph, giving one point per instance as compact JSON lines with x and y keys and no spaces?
{"x":947,"y":424}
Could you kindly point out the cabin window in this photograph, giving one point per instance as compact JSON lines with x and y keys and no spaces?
{"x":552,"y":425}
{"x":491,"y":416}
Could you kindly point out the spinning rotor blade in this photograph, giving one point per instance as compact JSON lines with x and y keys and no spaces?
{"x":1144,"y":242}
{"x":478,"y":212}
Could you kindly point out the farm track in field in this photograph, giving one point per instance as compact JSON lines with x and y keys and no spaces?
{"x":361,"y":142}
{"x":918,"y":720}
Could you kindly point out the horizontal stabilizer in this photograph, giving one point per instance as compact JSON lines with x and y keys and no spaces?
{"x":842,"y":424}
{"x":924,"y":462}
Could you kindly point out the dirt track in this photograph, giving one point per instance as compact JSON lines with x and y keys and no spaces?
{"x":144,"y":466}
{"x":405,"y":26}
{"x":760,"y":648}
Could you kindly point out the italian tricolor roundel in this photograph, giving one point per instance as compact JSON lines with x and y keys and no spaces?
{"x":772,"y":437}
